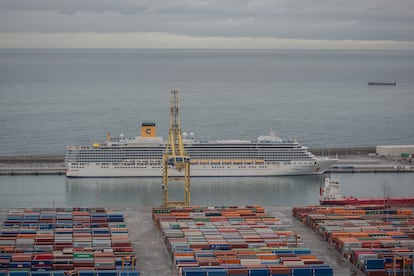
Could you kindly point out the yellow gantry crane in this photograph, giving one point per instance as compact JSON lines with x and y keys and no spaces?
{"x":175,"y":162}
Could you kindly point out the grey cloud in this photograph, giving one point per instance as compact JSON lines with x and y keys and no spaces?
{"x":73,"y":6}
{"x":317,"y":19}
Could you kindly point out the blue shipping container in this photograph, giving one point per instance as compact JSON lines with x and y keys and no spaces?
{"x":193,"y":271}
{"x":129,"y":273}
{"x":40,"y":273}
{"x":323,"y":271}
{"x":18,"y":273}
{"x":107,"y":273}
{"x":302,"y":272}
{"x":374,"y":264}
{"x":258,"y":272}
{"x":216,"y":272}
{"x":86,"y":273}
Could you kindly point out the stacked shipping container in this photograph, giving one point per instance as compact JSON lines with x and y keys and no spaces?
{"x":81,"y":239}
{"x":234,"y":241}
{"x":377,"y":240}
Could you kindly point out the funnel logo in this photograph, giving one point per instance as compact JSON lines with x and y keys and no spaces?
{"x":148,"y":131}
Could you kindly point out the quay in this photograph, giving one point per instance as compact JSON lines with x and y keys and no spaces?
{"x":32,"y":165}
{"x":153,"y":258}
{"x":350,"y":160}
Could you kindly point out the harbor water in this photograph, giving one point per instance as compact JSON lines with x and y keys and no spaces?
{"x":59,"y":191}
{"x":53,"y":98}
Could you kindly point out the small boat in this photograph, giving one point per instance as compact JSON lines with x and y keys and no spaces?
{"x":330,"y":194}
{"x":382,"y":83}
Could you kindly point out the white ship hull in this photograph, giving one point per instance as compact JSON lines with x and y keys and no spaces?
{"x":207,"y":170}
{"x":141,"y":156}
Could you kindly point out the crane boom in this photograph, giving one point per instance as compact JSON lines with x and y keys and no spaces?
{"x":176,"y":163}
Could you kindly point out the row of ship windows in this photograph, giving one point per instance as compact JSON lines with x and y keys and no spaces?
{"x":195,"y":153}
{"x":143,"y":162}
{"x":239,"y":167}
{"x":188,"y":149}
{"x":118,"y":165}
{"x":76,"y":168}
{"x":192,"y":156}
{"x":155,"y":162}
{"x":157,"y":167}
{"x":138,"y":167}
{"x":158,"y":150}
{"x":141,"y":158}
{"x":215,"y":167}
{"x":204,"y":167}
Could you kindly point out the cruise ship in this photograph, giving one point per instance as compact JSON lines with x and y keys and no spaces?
{"x":141,"y":156}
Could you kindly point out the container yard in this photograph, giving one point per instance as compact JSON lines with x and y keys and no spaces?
{"x":154,"y":258}
{"x":65,"y":241}
{"x":376,"y":240}
{"x":234,"y":241}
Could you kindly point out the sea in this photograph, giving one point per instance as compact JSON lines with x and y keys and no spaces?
{"x":50,"y":98}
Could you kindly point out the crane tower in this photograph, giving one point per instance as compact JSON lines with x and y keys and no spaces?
{"x":175,"y":162}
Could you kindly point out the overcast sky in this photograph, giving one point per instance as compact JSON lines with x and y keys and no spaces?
{"x":345,"y":24}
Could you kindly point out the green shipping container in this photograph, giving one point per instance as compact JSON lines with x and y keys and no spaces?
{"x":82,"y":255}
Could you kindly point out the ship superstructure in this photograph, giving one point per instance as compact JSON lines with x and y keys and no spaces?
{"x":330,"y":194}
{"x":141,"y":156}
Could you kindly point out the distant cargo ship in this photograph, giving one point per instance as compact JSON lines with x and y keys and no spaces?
{"x":382,"y":83}
{"x":330,"y":194}
{"x":141,"y":156}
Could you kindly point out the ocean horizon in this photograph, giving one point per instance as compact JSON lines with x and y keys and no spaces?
{"x":51,"y":98}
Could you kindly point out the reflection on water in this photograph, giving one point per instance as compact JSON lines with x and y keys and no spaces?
{"x":117,"y":192}
{"x":59,"y":191}
{"x":204,"y":191}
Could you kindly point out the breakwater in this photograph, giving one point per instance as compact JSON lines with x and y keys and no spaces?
{"x":32,"y":165}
